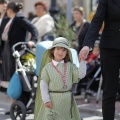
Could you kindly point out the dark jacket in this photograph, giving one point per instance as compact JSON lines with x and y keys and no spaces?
{"x":81,"y":36}
{"x":109,"y":12}
{"x":17,"y":32}
{"x":2,"y":26}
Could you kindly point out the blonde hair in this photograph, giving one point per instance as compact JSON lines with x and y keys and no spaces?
{"x":79,"y":8}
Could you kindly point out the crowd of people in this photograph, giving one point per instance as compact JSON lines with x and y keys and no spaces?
{"x":54,"y":86}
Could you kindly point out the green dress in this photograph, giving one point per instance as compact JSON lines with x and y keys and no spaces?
{"x":61,"y":101}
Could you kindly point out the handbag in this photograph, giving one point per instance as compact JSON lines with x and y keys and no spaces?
{"x":15,"y":87}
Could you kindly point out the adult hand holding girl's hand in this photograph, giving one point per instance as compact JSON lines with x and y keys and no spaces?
{"x":83,"y":53}
{"x":49,"y":105}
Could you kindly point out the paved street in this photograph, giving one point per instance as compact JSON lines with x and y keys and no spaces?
{"x":5,"y":104}
{"x":4,"y":108}
{"x":89,"y":111}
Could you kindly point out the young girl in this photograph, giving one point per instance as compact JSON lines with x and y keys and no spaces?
{"x":57,"y":75}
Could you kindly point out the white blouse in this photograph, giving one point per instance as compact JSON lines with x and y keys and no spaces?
{"x":44,"y":24}
{"x":6,"y":30}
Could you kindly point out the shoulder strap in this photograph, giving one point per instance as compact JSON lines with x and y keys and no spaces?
{"x":80,"y":29}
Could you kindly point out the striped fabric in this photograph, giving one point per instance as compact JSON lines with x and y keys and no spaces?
{"x":61,"y":101}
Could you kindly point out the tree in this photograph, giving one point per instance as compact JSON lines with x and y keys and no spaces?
{"x":63,"y":29}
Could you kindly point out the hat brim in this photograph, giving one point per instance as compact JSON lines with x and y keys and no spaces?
{"x":64,"y":46}
{"x":60,"y":45}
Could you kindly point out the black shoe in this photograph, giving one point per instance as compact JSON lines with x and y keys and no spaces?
{"x":7,"y":113}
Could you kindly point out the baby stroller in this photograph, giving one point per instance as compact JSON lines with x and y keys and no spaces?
{"x":25,"y":104}
{"x":90,"y":83}
{"x":94,"y":79}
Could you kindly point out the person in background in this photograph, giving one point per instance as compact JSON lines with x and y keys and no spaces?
{"x":31,"y":16}
{"x":80,"y":26}
{"x":3,"y":7}
{"x":92,"y":57}
{"x":14,"y":32}
{"x":3,"y":21}
{"x":43,"y":22}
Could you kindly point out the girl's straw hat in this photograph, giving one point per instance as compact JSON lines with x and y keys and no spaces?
{"x":58,"y":42}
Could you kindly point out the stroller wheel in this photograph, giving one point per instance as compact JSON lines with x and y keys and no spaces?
{"x":18,"y":111}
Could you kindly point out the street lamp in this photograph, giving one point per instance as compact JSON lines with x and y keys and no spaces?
{"x":53,"y":9}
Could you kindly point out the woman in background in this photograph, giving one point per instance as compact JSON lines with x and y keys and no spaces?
{"x":3,"y":7}
{"x":3,"y":21}
{"x":43,"y":22}
{"x":80,"y":26}
{"x":14,"y":31}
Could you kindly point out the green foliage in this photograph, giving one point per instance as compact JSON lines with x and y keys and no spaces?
{"x":63,"y":29}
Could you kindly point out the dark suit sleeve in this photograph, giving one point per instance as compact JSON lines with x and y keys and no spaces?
{"x":96,"y":24}
{"x":82,"y":35}
{"x":26,"y":24}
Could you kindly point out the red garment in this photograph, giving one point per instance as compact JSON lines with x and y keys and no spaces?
{"x":92,"y":57}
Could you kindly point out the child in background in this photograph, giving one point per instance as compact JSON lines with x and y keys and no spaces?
{"x":92,"y":57}
{"x":54,"y":99}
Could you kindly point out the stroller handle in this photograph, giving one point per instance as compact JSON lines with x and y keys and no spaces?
{"x":19,"y":43}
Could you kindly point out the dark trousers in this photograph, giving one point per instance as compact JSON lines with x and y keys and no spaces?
{"x":110,"y":64}
{"x":8,"y":62}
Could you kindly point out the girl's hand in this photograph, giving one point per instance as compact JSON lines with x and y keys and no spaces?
{"x":49,"y":105}
{"x":83,"y":53}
